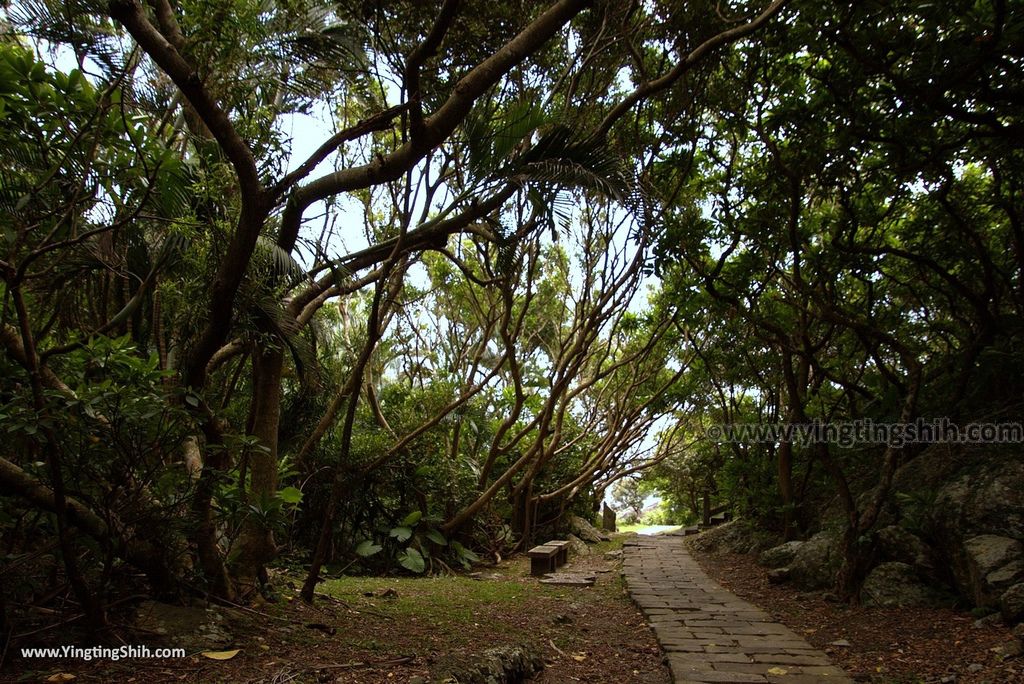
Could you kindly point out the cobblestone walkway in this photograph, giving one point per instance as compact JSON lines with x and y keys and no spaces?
{"x":709,"y":634}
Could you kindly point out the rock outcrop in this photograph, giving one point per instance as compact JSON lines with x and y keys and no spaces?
{"x":816,"y":562}
{"x":585,"y":531}
{"x":1011,"y":604}
{"x":898,"y":585}
{"x":987,"y":566}
{"x":779,"y":556}
{"x":507,"y":665}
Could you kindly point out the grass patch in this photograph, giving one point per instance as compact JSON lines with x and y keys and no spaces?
{"x":452,"y":605}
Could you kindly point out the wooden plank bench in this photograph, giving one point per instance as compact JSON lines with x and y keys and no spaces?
{"x":563,"y":551}
{"x":543,"y":559}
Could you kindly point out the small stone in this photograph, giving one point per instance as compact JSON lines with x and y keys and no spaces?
{"x":975,"y":667}
{"x":778,"y":575}
{"x":989,"y":620}
{"x":565,"y":579}
{"x":1010,"y":649}
{"x":840,"y":642}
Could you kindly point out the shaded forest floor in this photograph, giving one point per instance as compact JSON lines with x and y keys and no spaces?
{"x":371,"y":630}
{"x":876,"y":644}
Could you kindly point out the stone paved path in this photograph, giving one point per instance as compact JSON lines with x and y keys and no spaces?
{"x":709,"y":634}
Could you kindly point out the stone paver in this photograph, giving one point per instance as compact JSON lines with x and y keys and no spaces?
{"x":709,"y":634}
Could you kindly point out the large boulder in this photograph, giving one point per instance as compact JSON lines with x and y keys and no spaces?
{"x":986,"y":499}
{"x":898,"y":544}
{"x":585,"y":531}
{"x":779,"y":556}
{"x":1011,"y":604}
{"x":577,"y":547}
{"x":816,"y":561}
{"x":967,"y":503}
{"x":735,"y":536}
{"x":897,"y":585}
{"x":989,"y":565}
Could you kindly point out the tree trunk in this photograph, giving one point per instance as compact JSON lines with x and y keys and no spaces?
{"x":785,"y":461}
{"x":857,"y":561}
{"x":204,"y":534}
{"x":256,"y":545}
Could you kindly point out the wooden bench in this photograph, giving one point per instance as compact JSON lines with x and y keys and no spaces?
{"x":563,"y":550}
{"x":543,"y":559}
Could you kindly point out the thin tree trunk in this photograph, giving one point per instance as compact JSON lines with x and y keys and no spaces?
{"x":256,"y":545}
{"x":94,"y":613}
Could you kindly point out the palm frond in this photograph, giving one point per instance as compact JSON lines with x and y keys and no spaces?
{"x":282,"y":264}
{"x":287,"y":331}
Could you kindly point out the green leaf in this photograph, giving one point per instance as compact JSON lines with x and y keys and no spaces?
{"x":411,"y":519}
{"x":464,"y":555}
{"x":290,"y":495}
{"x":367,"y":548}
{"x":412,"y":560}
{"x":437,"y":538}
{"x":400,"y":533}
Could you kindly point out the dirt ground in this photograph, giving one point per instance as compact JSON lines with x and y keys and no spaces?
{"x":375,"y":630}
{"x":877,"y":644}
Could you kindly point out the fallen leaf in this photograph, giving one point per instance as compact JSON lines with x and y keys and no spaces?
{"x":779,"y":671}
{"x":220,"y":655}
{"x":579,"y":657}
{"x":61,"y":677}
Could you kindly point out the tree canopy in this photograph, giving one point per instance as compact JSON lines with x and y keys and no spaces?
{"x":403,"y":284}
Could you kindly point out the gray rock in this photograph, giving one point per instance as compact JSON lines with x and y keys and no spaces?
{"x":989,"y":620}
{"x":736,"y":536}
{"x":779,"y":556}
{"x":613,"y":555}
{"x":1011,"y":649}
{"x":1011,"y":605}
{"x":975,"y":667}
{"x":778,"y":575}
{"x":981,"y":494}
{"x":816,"y":562}
{"x":569,"y":579}
{"x":897,"y":585}
{"x":1008,"y":575}
{"x":577,"y":547}
{"x":958,"y":493}
{"x":899,"y":544}
{"x":988,"y":565}
{"x":189,"y":626}
{"x":585,"y":531}
{"x":498,"y":666}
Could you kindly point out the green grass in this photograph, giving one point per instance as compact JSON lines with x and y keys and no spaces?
{"x":447,"y":602}
{"x":637,"y":526}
